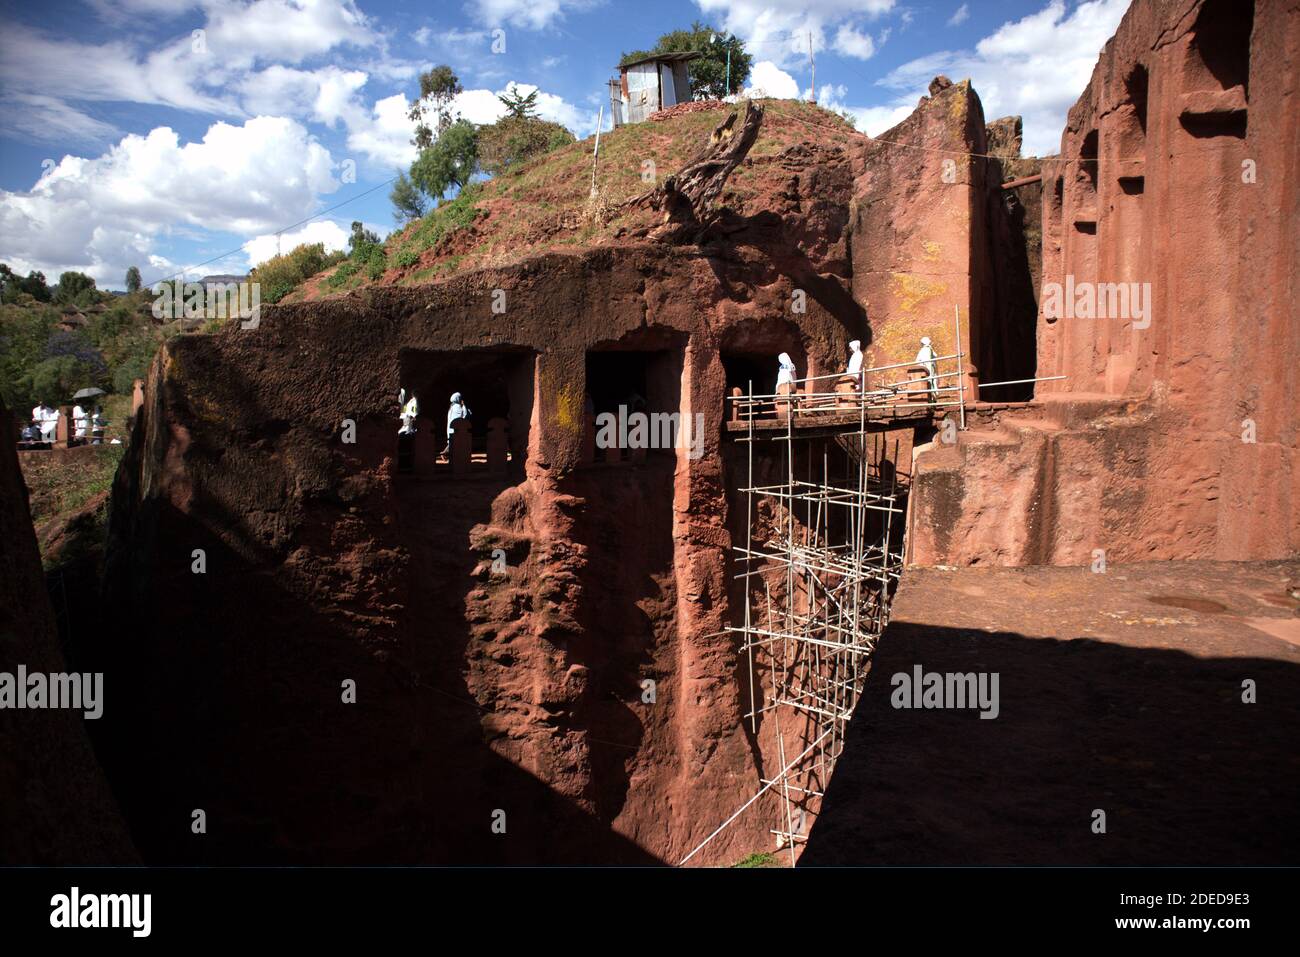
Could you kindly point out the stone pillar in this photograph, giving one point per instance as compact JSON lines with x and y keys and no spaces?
{"x":498,"y":445}
{"x":588,"y":432}
{"x":137,"y":396}
{"x":917,"y":388}
{"x":783,"y":405}
{"x":462,"y":445}
{"x":736,"y":393}
{"x":63,"y":428}
{"x":426,"y":443}
{"x":846,"y":392}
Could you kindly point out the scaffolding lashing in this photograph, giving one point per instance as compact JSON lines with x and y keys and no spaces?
{"x":823,"y":552}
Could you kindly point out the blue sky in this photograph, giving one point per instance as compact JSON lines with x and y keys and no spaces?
{"x":163,"y":133}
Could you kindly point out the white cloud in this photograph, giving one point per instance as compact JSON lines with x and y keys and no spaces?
{"x":382,"y":132}
{"x":44,"y":118}
{"x":831,"y":92}
{"x":326,"y":96}
{"x":527,"y":14}
{"x":119,"y":11}
{"x":851,"y":42}
{"x":768,"y":79}
{"x":384,"y":136}
{"x":483,"y":106}
{"x":282,"y":31}
{"x":778,"y":29}
{"x":1035,"y":67}
{"x":961,"y":15}
{"x":196,"y":73}
{"x":101,"y":215}
{"x":261,"y":248}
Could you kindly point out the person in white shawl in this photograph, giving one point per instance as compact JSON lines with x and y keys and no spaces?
{"x":855,"y":362}
{"x":410,"y":412}
{"x":785,"y":371}
{"x":457,"y":410}
{"x":925,"y":357}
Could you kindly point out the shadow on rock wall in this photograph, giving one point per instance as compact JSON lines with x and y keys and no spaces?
{"x":1160,"y":740}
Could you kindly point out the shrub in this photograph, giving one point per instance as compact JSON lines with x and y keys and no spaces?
{"x":513,"y":140}
{"x":459,"y":213}
{"x":280,"y":275}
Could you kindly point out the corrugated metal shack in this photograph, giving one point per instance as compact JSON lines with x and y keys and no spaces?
{"x":650,"y":84}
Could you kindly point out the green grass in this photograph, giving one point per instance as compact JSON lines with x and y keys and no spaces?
{"x":764,"y":859}
{"x":533,"y":207}
{"x":82,"y":483}
{"x":459,"y":213}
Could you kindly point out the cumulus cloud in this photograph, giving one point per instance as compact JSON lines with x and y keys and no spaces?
{"x":768,"y":79}
{"x":261,"y":248}
{"x":484,"y":106}
{"x":202,"y":70}
{"x":851,"y":42}
{"x":527,"y":14}
{"x":779,"y":29}
{"x":1035,"y":67}
{"x":384,"y":135}
{"x":282,"y":31}
{"x":326,"y":96}
{"x":101,"y":215}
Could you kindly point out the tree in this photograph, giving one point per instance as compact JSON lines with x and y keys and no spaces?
{"x":450,"y":161}
{"x":76,"y":288}
{"x":12,"y":286}
{"x":519,"y":106}
{"x":361,"y":237}
{"x":709,"y":72}
{"x":513,"y":139}
{"x":408,"y":202}
{"x":133,"y":279}
{"x":24,"y":332}
{"x":438,"y":87}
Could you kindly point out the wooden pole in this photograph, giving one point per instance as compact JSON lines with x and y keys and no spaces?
{"x":813,"y":60}
{"x":595,"y":155}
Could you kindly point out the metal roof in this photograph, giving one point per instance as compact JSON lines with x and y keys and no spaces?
{"x":662,"y":58}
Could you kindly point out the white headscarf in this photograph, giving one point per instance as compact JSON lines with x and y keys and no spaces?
{"x":458,"y":410}
{"x":786,"y":370}
{"x":855,"y":358}
{"x":925,"y":355}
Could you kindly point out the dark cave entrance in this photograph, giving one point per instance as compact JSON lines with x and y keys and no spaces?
{"x":746,"y":369}
{"x":640,"y":373}
{"x":493,"y":383}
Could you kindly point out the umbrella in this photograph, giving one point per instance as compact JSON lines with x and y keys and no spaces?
{"x":88,"y":393}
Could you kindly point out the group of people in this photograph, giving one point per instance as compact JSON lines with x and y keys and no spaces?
{"x":786,"y":374}
{"x":87,"y":424}
{"x":458,"y":411}
{"x":925,"y":357}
